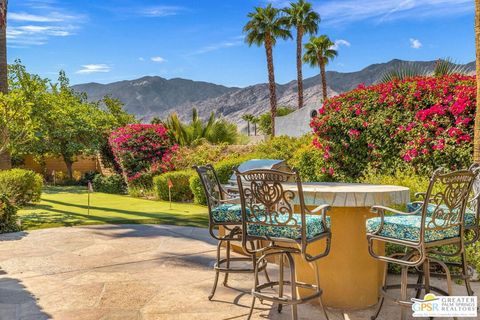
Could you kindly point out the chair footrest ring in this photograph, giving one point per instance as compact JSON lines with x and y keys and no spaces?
{"x":285,"y":300}
{"x":220,"y":266}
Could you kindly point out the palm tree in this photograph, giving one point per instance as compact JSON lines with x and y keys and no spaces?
{"x":319,"y":52}
{"x":476,"y":138}
{"x":301,"y":16}
{"x":248,"y":118}
{"x":264,"y":27}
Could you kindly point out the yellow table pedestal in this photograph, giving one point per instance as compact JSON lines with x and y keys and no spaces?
{"x":349,"y":277}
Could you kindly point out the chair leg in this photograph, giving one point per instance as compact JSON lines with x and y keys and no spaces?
{"x":293,"y":284}
{"x":280,"y":282}
{"x":426,"y":274}
{"x":317,"y":280}
{"x":419,"y":283}
{"x":382,"y":298}
{"x":212,"y":293}
{"x":403,"y":291}
{"x":466,"y":274}
{"x":255,"y":284}
{"x":225,"y":280}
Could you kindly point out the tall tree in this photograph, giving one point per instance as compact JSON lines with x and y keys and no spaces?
{"x":264,"y":28}
{"x":319,"y":51}
{"x":4,"y":133}
{"x":476,"y":139}
{"x":248,"y":118}
{"x":301,"y":16}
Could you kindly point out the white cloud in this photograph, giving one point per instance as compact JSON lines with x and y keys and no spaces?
{"x":36,"y":21}
{"x":158,"y":59}
{"x":160,"y":11}
{"x":340,"y":42}
{"x":141,"y":59}
{"x":415,"y":43}
{"x":94,"y":68}
{"x":27,"y":17}
{"x":336,"y":12}
{"x":234,"y":42}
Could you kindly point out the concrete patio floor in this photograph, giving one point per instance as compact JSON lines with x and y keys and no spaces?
{"x":129,"y":272}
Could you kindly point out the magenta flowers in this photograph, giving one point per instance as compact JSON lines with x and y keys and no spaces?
{"x":423,"y":121}
{"x":142,"y":151}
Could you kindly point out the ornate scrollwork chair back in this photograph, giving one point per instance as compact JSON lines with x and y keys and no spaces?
{"x":447,"y":197}
{"x":269,"y":202}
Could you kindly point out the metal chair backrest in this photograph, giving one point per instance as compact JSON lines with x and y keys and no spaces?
{"x":266,"y":202}
{"x":447,"y":194}
{"x":211,"y":185}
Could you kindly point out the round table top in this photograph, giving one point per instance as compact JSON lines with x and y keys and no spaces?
{"x":338,"y":194}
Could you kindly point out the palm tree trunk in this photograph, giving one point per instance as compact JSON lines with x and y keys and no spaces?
{"x":476,"y":138}
{"x":248,"y":127}
{"x":4,"y":76}
{"x":271,"y":83}
{"x":299,"y":67}
{"x":324,"y":79}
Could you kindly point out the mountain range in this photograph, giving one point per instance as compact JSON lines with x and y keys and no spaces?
{"x":152,"y":96}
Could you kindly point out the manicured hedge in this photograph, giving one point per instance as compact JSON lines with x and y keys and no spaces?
{"x":21,"y":186}
{"x":114,"y":184}
{"x":8,"y":215}
{"x":180,"y":190}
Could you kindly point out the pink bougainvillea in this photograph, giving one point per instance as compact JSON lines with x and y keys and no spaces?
{"x":142,"y":150}
{"x":423,"y":121}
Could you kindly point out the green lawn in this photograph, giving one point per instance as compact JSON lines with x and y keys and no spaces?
{"x":68,"y":206}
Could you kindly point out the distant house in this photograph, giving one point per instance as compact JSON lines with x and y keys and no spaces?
{"x":295,"y":124}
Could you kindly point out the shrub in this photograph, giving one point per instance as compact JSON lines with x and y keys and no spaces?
{"x":265,"y":120}
{"x":224,"y":171}
{"x":205,"y":153}
{"x":8,"y":215}
{"x":180,"y":190}
{"x":426,"y":122}
{"x":21,"y":186}
{"x":109,"y":184}
{"x":401,"y":177}
{"x":308,"y":160}
{"x":142,"y":151}
{"x":281,"y":147}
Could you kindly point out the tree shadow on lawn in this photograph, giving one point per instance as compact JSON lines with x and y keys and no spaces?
{"x":65,"y":189}
{"x":68,"y":218}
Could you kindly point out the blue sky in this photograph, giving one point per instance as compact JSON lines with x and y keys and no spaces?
{"x":112,"y":40}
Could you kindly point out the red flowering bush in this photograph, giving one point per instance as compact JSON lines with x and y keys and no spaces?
{"x":425,"y":122}
{"x":142,"y":151}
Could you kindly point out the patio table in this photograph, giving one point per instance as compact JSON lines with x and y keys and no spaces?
{"x":349,"y":276}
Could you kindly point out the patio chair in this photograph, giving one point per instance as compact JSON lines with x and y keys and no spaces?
{"x":269,"y":214}
{"x":224,"y":217}
{"x":472,"y":231}
{"x":421,"y":234}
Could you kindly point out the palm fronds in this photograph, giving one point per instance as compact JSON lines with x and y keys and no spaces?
{"x":214,"y":130}
{"x":445,"y":67}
